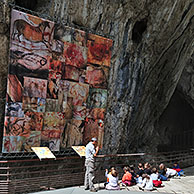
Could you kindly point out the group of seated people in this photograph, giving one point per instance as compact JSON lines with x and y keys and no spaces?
{"x":146,"y":177}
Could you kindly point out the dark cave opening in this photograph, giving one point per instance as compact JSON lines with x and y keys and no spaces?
{"x":138,"y":30}
{"x":27,"y":4}
{"x":176,"y":124}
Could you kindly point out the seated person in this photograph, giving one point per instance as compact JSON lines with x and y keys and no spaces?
{"x":147,"y":168}
{"x":147,"y":183}
{"x":178,"y":169}
{"x":127,"y":177}
{"x":113,"y":180}
{"x":171,"y":173}
{"x":132,"y":171}
{"x":107,"y":180}
{"x":139,"y":173}
{"x":162,"y":172}
{"x":155,"y":177}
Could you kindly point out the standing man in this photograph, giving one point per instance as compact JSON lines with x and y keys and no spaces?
{"x":91,"y":152}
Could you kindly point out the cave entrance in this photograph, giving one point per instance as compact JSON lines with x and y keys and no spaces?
{"x":176,"y":124}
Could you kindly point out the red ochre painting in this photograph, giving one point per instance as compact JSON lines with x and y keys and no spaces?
{"x":57,"y":85}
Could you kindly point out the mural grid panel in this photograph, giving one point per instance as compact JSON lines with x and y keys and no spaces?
{"x":57,"y":85}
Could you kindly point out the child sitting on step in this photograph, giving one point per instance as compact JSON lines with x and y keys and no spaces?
{"x":147,"y":183}
{"x":127,"y":177}
{"x":113,"y":180}
{"x":155,"y":177}
{"x":178,"y":169}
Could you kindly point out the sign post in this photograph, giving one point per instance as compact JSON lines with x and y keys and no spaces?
{"x":80,"y":150}
{"x":43,"y":152}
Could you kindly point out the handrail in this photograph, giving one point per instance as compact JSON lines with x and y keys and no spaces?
{"x":98,"y":156}
{"x":120,"y":155}
{"x":36,"y":159}
{"x":143,"y":154}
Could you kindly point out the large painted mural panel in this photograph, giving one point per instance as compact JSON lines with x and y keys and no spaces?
{"x":56,"y":87}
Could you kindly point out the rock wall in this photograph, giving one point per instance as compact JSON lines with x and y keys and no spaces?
{"x":186,"y":82}
{"x":4,"y":53}
{"x":153,"y":42}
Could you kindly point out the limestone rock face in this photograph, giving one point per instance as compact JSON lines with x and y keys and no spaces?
{"x":153,"y":42}
{"x":186,"y":82}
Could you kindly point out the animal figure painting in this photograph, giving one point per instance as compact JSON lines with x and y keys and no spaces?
{"x":56,"y":85}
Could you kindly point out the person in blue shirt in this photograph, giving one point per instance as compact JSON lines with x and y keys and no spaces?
{"x":178,"y":169}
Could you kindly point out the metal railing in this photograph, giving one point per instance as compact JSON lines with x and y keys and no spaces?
{"x":31,"y":175}
{"x":183,"y":139}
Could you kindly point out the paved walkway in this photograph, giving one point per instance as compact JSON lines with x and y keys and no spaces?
{"x":80,"y":190}
{"x":178,"y":186}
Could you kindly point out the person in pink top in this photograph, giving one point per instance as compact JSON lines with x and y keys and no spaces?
{"x":127,"y":177}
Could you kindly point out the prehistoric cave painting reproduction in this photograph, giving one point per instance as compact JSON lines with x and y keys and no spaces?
{"x":56,"y":86}
{"x":30,"y":104}
{"x":67,"y":34}
{"x":79,"y":112}
{"x":14,"y":89}
{"x":97,"y":76}
{"x":25,"y":63}
{"x":14,"y":109}
{"x":31,"y":32}
{"x":97,"y":98}
{"x":16,"y":126}
{"x":34,"y":120}
{"x":10,"y":144}
{"x":55,"y":68}
{"x":96,"y":113}
{"x":34,"y":87}
{"x":73,"y":73}
{"x":93,"y":129}
{"x":99,"y":50}
{"x":41,"y":102}
{"x":75,"y":55}
{"x":32,"y":141}
{"x":73,"y":133}
{"x":79,"y":92}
